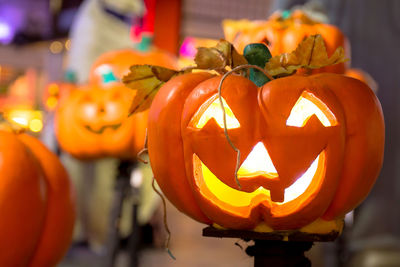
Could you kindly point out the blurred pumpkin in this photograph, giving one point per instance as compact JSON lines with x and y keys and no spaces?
{"x":93,"y":122}
{"x":112,"y":66}
{"x":282,"y":35}
{"x":311,"y":147}
{"x":36,"y":203}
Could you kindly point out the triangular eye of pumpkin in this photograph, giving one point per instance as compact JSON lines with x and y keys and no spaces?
{"x":306,"y":106}
{"x":211,"y":109}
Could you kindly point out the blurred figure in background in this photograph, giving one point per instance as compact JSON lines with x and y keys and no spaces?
{"x":373,"y":29}
{"x":102,"y":26}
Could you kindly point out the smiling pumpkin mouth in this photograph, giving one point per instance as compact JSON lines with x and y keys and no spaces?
{"x":303,"y":189}
{"x":102,"y":128}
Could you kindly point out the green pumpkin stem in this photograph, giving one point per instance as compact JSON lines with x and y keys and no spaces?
{"x":257,"y":54}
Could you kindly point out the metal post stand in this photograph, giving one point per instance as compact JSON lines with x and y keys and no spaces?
{"x":134,"y":239}
{"x":279,"y":253}
{"x":122,"y":190}
{"x":278,"y":248}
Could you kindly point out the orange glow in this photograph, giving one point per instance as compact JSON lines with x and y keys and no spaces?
{"x":51,"y":102}
{"x":212,"y":109}
{"x":53,"y":89}
{"x":306,"y":106}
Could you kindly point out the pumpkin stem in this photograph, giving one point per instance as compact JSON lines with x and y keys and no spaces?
{"x":165,"y":220}
{"x":144,"y":150}
{"x":246,"y":66}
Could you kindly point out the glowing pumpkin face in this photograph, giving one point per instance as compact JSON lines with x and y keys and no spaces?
{"x":93,"y":123}
{"x":297,"y":163}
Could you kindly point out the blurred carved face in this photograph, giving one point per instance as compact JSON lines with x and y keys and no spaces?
{"x":95,"y":123}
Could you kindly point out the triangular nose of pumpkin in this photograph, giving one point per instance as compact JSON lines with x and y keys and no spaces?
{"x":258,"y":162}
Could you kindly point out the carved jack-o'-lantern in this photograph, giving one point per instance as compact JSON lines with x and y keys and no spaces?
{"x":93,"y":122}
{"x":311,"y":147}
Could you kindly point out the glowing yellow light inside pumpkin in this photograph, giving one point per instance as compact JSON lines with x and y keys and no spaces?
{"x":308,"y":183}
{"x":258,"y":162}
{"x":299,"y":187}
{"x":214,"y":111}
{"x":225,"y":193}
{"x":306,"y":106}
{"x":31,"y":119}
{"x":22,"y":121}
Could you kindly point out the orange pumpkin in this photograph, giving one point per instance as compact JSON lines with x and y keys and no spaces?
{"x":311,"y":147}
{"x":93,"y":122}
{"x":115,"y":64}
{"x":36,"y":203}
{"x":283,"y":36}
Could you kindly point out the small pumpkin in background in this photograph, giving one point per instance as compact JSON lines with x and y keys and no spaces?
{"x":36,"y":203}
{"x":282,"y":35}
{"x":93,"y":122}
{"x":112,"y":66}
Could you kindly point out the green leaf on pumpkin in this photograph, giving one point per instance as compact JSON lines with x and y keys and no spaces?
{"x":259,"y":55}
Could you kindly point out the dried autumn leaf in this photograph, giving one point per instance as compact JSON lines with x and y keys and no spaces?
{"x":219,"y":57}
{"x":310,"y":53}
{"x":210,"y":58}
{"x":146,"y":80}
{"x":233,"y":58}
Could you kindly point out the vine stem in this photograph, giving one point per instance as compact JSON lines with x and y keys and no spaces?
{"x":164,"y":219}
{"x":246,"y":66}
{"x":143,"y":150}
